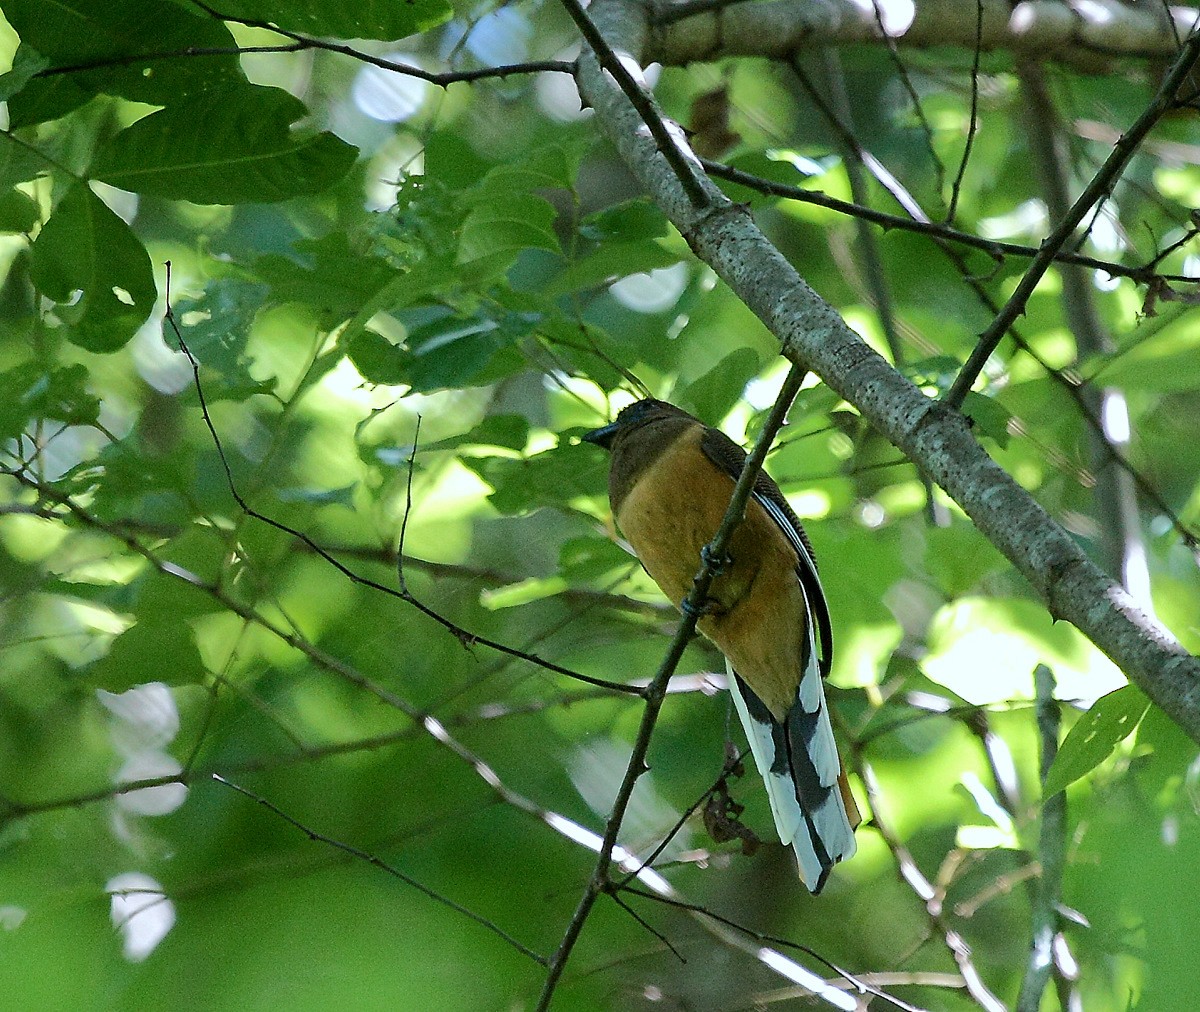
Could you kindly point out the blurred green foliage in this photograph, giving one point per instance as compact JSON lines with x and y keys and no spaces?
{"x":401,"y":305}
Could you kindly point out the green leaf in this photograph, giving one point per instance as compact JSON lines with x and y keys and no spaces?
{"x":1160,"y":373}
{"x":326,"y":273}
{"x":216,"y":327}
{"x":405,"y":288}
{"x":1095,"y":735}
{"x":590,"y":559}
{"x":18,"y":162}
{"x":124,"y":480}
{"x":377,"y":359}
{"x":553,"y":478}
{"x":18,"y":212}
{"x":628,"y":222}
{"x":154,"y":651}
{"x":507,"y":217}
{"x":77,"y":33}
{"x":363,"y":19}
{"x":450,"y":351}
{"x":31,"y":393}
{"x":343,"y":496}
{"x":44,"y":99}
{"x":610,"y":262}
{"x":714,"y":393}
{"x":514,"y":595}
{"x":89,"y":261}
{"x":506,"y":223}
{"x":509,"y":431}
{"x":450,"y":161}
{"x":988,"y":415}
{"x":443,"y":350}
{"x":230,"y":145}
{"x":26,"y":63}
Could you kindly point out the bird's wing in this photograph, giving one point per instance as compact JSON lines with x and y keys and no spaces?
{"x":806,"y":569}
{"x":798,"y":758}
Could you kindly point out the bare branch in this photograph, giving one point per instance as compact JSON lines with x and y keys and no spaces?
{"x":973,"y":125}
{"x":1099,"y":187}
{"x":995,"y":248}
{"x":1088,"y":35}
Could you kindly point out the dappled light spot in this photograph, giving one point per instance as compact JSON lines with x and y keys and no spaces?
{"x":387,"y":95}
{"x":141,"y":912}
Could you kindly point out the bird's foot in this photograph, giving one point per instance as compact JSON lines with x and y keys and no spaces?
{"x":709,"y":606}
{"x":717,"y":564}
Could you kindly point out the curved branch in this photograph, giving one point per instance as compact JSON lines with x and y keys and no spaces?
{"x":937,"y":438}
{"x":1084,"y":34}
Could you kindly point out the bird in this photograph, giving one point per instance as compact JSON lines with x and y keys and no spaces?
{"x":670,"y":481}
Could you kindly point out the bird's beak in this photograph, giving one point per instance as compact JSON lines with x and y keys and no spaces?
{"x":602,"y":436}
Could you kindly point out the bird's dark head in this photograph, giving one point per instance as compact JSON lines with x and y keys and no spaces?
{"x":632,"y":417}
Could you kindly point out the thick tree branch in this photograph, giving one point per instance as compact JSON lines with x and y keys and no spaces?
{"x":1084,"y":34}
{"x":934,"y":436}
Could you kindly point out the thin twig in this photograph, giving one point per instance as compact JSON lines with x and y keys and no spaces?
{"x":1099,"y":187}
{"x":995,"y":248}
{"x":889,"y":41}
{"x":839,"y":113}
{"x":1052,"y":848}
{"x":412,"y":466}
{"x":423,"y":723}
{"x":378,"y":862}
{"x":1075,"y":388}
{"x":861,"y":983}
{"x":468,"y":639}
{"x":304,"y":43}
{"x":973,"y":126}
{"x":925,"y":891}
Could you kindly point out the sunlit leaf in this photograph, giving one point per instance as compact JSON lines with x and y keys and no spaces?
{"x":552,"y":478}
{"x":1095,"y":736}
{"x":88,"y":261}
{"x":511,"y":431}
{"x":149,"y":652}
{"x":364,"y":19}
{"x":34,"y":394}
{"x":714,"y":393}
{"x":111,"y":35}
{"x":226,"y":146}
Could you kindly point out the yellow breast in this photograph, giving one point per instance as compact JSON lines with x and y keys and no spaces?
{"x":757,"y":617}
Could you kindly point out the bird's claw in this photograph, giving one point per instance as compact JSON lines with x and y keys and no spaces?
{"x":705,"y":607}
{"x":717,"y":564}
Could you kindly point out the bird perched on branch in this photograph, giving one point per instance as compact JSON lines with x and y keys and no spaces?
{"x":670,"y":483}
